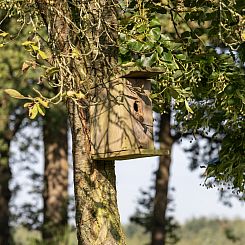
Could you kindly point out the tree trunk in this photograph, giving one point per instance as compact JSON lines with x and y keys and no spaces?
{"x":6,"y":135}
{"x":55,"y":194}
{"x":97,"y":217}
{"x":162,"y":180}
{"x":5,"y":194}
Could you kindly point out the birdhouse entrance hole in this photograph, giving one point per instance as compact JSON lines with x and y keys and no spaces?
{"x":136,"y":107}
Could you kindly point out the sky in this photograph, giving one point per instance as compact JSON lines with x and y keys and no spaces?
{"x":191,"y":199}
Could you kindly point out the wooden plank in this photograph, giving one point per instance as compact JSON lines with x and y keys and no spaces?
{"x":129,"y":154}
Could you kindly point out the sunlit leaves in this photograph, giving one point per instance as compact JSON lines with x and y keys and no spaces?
{"x":33,"y":111}
{"x":14,"y":93}
{"x":32,"y":46}
{"x":37,"y":106}
{"x":188,"y":108}
{"x":4,"y":34}
{"x":43,"y":102}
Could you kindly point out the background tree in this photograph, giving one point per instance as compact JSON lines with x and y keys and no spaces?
{"x":15,"y":74}
{"x":55,"y":194}
{"x":12,"y":115}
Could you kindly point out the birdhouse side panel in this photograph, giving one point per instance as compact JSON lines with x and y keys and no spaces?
{"x":107,"y":122}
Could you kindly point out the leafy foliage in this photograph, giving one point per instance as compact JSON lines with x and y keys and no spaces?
{"x":200,"y":46}
{"x":201,"y":231}
{"x":212,"y":231}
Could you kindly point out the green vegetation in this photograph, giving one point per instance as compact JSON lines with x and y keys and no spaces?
{"x":135,"y":234}
{"x":23,"y":236}
{"x":219,"y":232}
{"x":201,"y":231}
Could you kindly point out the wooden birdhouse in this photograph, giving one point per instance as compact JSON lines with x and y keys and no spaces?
{"x":121,"y":118}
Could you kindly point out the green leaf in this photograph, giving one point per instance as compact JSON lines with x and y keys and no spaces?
{"x":154,"y":34}
{"x":159,"y":50}
{"x":27,"y":43}
{"x":141,"y":28}
{"x":41,"y":110}
{"x":122,"y":37}
{"x":181,"y":56}
{"x":239,"y":94}
{"x":167,"y":56}
{"x":123,"y":50}
{"x":177,"y":74}
{"x":4,"y":34}
{"x":51,"y":71}
{"x":42,"y":54}
{"x":149,"y":61}
{"x":28,"y":104}
{"x":44,"y":103}
{"x":14,"y":93}
{"x":135,"y":46}
{"x":33,"y":111}
{"x":155,"y":22}
{"x":188,"y":108}
{"x":154,"y":96}
{"x":148,"y":46}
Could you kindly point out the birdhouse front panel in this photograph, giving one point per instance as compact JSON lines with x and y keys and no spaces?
{"x":139,"y":108}
{"x":121,"y":120}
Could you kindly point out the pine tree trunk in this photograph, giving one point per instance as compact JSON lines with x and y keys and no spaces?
{"x":5,"y":194}
{"x":55,"y":194}
{"x":162,"y":180}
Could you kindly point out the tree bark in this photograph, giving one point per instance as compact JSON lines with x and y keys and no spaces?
{"x":97,"y":217}
{"x":162,"y":180}
{"x":55,"y":194}
{"x":5,"y":194}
